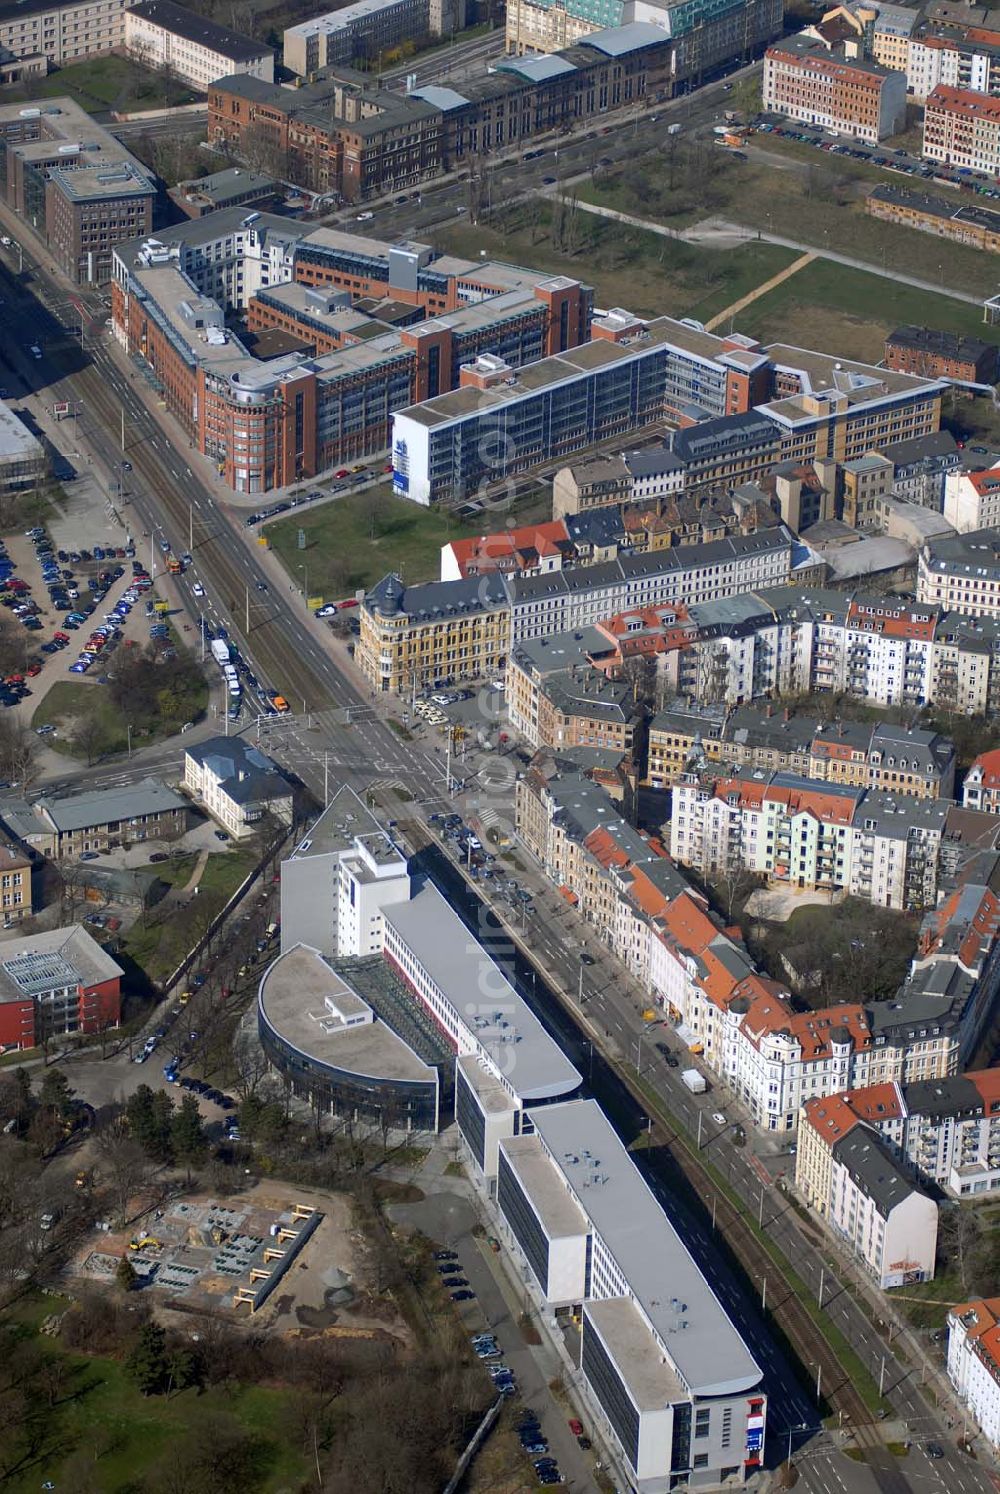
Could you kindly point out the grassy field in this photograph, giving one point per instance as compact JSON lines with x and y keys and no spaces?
{"x":159,"y":944}
{"x":850,"y":312}
{"x":102,"y":1430}
{"x":817,"y":200}
{"x":102,"y":83}
{"x":354,"y":541}
{"x":90,"y":726}
{"x":646,"y":272}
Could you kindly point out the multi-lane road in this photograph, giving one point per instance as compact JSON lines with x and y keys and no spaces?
{"x":168,"y":497}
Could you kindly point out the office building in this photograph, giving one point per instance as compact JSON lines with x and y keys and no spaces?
{"x":341,"y":1037}
{"x":705,"y":34}
{"x":61,"y":33}
{"x":23,"y":462}
{"x":756,"y":407}
{"x":669,"y":1377}
{"x":168,"y":38}
{"x":378,"y":326}
{"x":237,"y":784}
{"x":367,"y":29}
{"x":55,"y":984}
{"x":803,"y":80}
{"x":849,"y":1176}
{"x":71,"y":182}
{"x":61,"y":827}
{"x":337,"y":880}
{"x":974,"y":1362}
{"x":962,"y":129}
{"x":345,"y":136}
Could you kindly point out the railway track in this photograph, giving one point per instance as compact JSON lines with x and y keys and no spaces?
{"x":223,"y":560}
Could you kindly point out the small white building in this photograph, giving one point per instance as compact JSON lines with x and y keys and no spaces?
{"x":22,"y":458}
{"x":164,"y":36}
{"x":237,"y":784}
{"x":974,"y":1362}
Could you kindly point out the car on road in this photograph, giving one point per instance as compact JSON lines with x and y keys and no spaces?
{"x":935,"y":1450}
{"x":365,"y":217}
{"x":586,"y":959}
{"x":328,"y":610}
{"x":46,"y":730}
{"x":89,"y":856}
{"x":198,"y":589}
{"x":221,"y":835}
{"x":718,"y":1117}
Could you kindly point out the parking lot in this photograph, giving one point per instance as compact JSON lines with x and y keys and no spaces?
{"x":897,"y":160}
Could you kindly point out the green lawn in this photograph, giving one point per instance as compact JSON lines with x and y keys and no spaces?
{"x":104,"y":1424}
{"x":101,"y":83}
{"x":849,"y":312}
{"x":159,"y":944}
{"x":90,"y":726}
{"x":354,"y":541}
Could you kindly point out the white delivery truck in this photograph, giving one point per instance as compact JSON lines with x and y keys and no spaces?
{"x":220,"y":651}
{"x":695,"y":1082}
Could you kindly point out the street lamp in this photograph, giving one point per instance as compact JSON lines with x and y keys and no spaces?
{"x":305,"y":584}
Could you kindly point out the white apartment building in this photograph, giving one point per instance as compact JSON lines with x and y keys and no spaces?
{"x":670,"y":1379}
{"x":972,"y":500}
{"x":800,"y":832}
{"x":974,"y":1362}
{"x":946,"y":1130}
{"x":63,"y":33}
{"x":237,"y":784}
{"x":961,"y":573}
{"x":166,"y":37}
{"x":848,"y":1175}
{"x":981,"y":788}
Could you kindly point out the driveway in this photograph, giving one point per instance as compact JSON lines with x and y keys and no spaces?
{"x":447,"y":1219}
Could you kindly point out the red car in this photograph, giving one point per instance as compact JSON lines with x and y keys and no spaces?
{"x":348,"y":602}
{"x":33,"y":669}
{"x":387,"y":467}
{"x":576,"y":1427}
{"x":343,"y":472}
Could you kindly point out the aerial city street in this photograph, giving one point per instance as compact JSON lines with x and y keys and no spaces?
{"x":499,"y":769}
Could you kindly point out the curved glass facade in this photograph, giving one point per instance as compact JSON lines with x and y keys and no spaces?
{"x":405,"y":1104}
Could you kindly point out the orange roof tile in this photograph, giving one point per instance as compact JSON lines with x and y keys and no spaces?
{"x":830,"y":1117}
{"x":487,"y":551}
{"x":989,"y":765}
{"x":879,"y":1102}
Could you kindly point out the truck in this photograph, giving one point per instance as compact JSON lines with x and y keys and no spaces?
{"x":695,"y":1082}
{"x":220,"y":651}
{"x":673,"y":129}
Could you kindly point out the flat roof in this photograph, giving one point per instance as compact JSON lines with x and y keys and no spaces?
{"x":171,"y":290}
{"x":299,"y":997}
{"x":690,"y":1321}
{"x":109,"y":179}
{"x":558,"y":1210}
{"x":497,"y":1017}
{"x":342,"y":821}
{"x":651,"y":1382}
{"x":15,"y":438}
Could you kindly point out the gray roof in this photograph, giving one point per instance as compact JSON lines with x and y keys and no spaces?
{"x":693,"y":1327}
{"x":975,"y":553}
{"x":936,"y":446}
{"x":195,"y":28}
{"x":245,"y":774}
{"x":336,"y":829}
{"x":873,"y":1169}
{"x":939,"y":1098}
{"x":588,"y":693}
{"x":561,"y":650}
{"x":651,"y":461}
{"x":57,"y":957}
{"x":437,"y":599}
{"x":497,"y":1017}
{"x":713,"y":438}
{"x":617,"y":41}
{"x":302,"y":998}
{"x":94,"y":807}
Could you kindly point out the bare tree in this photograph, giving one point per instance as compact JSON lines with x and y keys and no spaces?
{"x":18,"y":751}
{"x":87,"y":739}
{"x":125,"y":1164}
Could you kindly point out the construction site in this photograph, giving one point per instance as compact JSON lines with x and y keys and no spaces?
{"x":207,"y":1255}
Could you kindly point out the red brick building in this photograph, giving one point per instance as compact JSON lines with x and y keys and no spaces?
{"x":941,"y":355}
{"x":55,"y":984}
